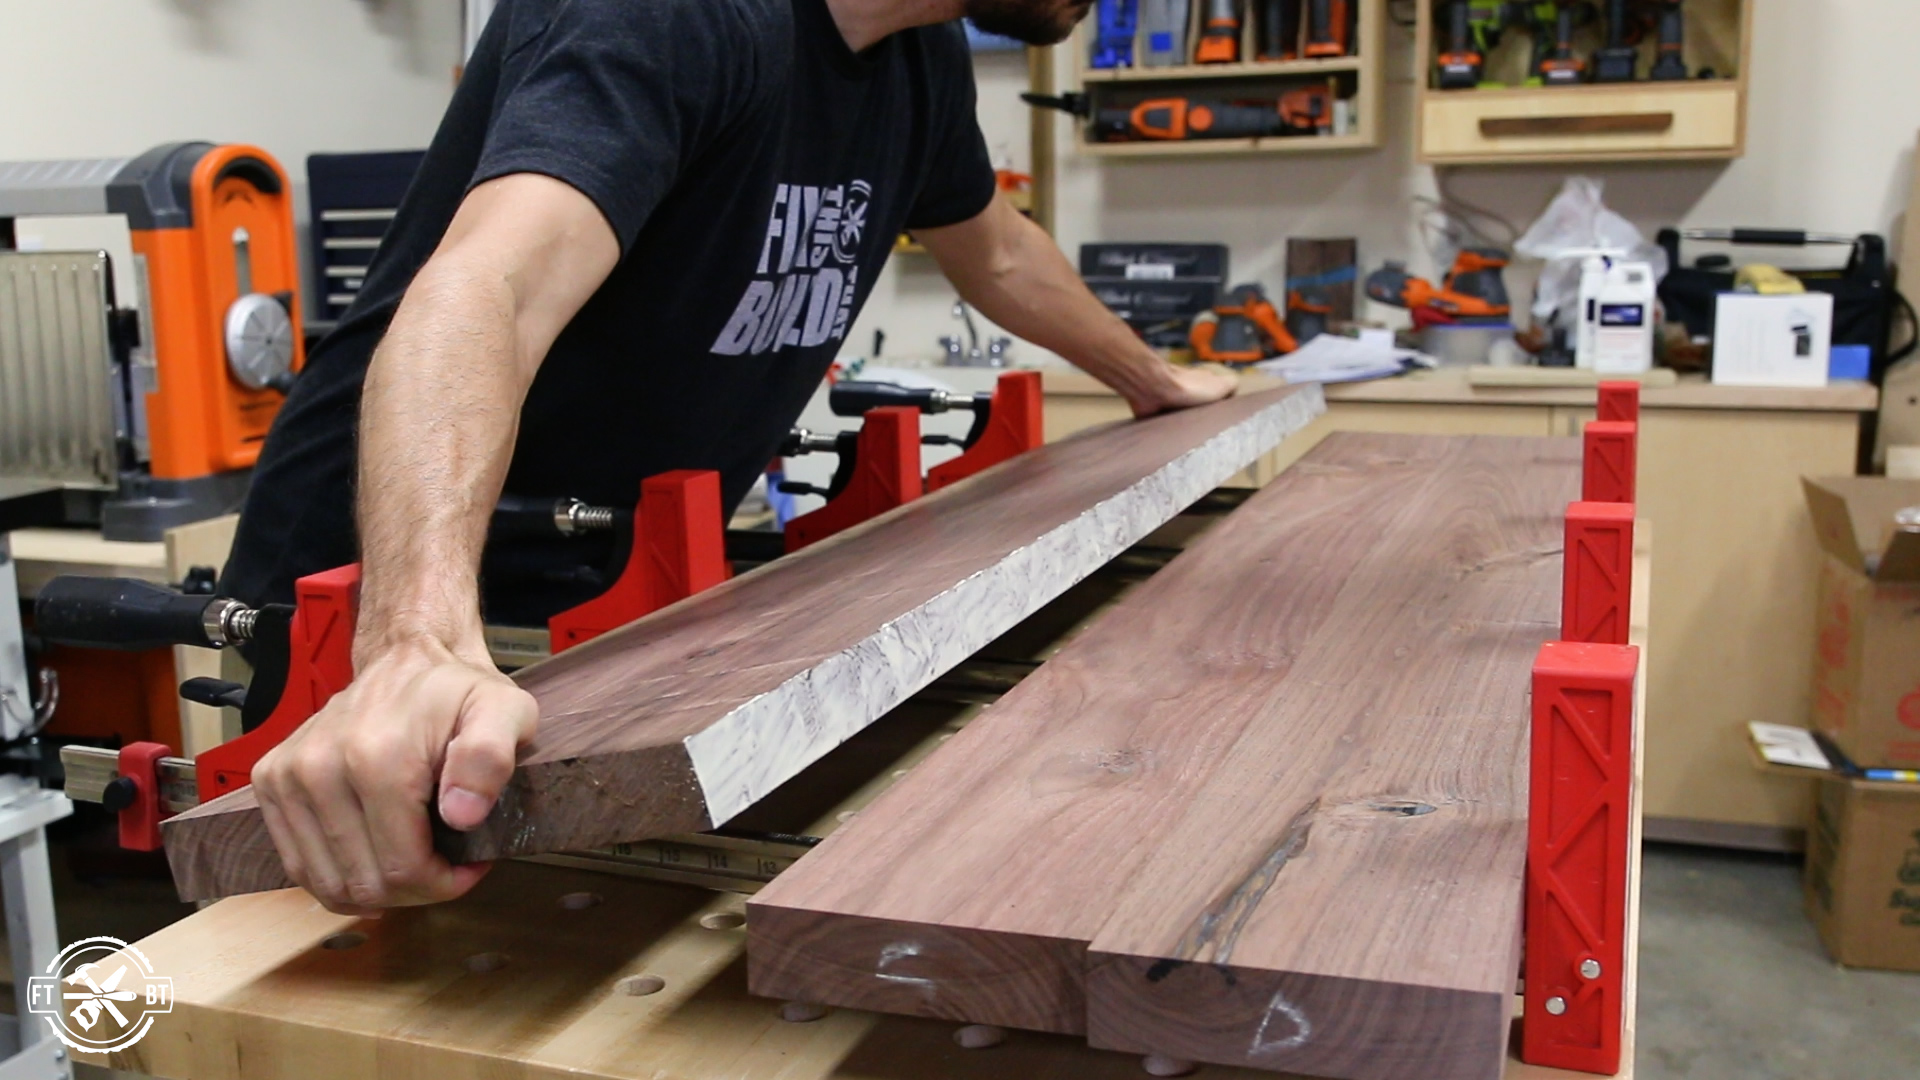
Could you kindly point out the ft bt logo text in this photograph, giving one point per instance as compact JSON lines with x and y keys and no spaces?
{"x":100,"y":995}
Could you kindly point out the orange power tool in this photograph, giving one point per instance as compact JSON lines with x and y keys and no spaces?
{"x":1329,"y":28}
{"x":1219,"y":34}
{"x":1303,"y":111}
{"x":1244,"y":328}
{"x":1474,"y":290}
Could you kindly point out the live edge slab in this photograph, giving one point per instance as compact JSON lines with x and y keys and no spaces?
{"x":683,"y":719}
{"x":1269,"y":810}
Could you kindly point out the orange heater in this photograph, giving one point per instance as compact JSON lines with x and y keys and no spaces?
{"x":202,"y":366}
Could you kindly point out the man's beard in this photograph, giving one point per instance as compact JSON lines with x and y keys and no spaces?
{"x":1036,"y":22}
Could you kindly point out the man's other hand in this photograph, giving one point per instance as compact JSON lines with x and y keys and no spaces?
{"x":1184,"y":388}
{"x":345,"y":797}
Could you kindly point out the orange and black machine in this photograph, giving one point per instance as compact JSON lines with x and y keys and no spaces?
{"x":152,"y":414}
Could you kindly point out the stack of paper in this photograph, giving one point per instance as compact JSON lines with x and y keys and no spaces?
{"x":1330,"y":359}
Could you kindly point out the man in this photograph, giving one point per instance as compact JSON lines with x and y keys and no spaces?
{"x":636,"y":244}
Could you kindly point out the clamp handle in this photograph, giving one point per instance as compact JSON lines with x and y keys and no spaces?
{"x":860,"y":398}
{"x":122,"y":613}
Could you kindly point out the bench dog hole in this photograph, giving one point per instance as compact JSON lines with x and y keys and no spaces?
{"x":482,"y":963}
{"x":581,"y":901}
{"x":723,"y":920}
{"x":640,"y":985}
{"x":345,"y":939}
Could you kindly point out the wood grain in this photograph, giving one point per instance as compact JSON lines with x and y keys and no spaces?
{"x":259,"y":997}
{"x":1360,"y":630}
{"x":683,"y":719}
{"x":1344,"y":896}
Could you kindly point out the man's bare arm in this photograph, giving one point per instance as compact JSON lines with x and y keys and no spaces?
{"x":346,"y":796}
{"x":1013,"y":272}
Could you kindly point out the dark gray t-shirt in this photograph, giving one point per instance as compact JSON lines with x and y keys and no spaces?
{"x":756,"y":171}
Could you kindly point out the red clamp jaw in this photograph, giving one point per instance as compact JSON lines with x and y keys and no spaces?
{"x":1581,"y":791}
{"x":135,"y":795}
{"x":320,"y":665}
{"x":1579,"y":829}
{"x":679,"y":548}
{"x":1014,"y":426}
{"x":886,"y":474}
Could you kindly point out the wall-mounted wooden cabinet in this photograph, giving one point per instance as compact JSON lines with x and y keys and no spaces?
{"x":1258,"y":77}
{"x":1511,"y":118}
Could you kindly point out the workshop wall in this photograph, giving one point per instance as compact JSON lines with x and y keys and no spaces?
{"x":110,"y":78}
{"x":1831,"y":130}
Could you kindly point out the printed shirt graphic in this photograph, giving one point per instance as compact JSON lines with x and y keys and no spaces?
{"x":803,"y":291}
{"x":755,"y":171}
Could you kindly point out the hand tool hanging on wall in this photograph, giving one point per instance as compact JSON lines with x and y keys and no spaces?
{"x":1115,"y":25}
{"x":1670,"y":62}
{"x":1163,"y":32}
{"x":1244,"y":328}
{"x":1279,"y":26}
{"x":1301,"y":111}
{"x":1559,"y":66}
{"x":1219,"y":34}
{"x":1618,"y":60}
{"x":1464,"y":62}
{"x":1329,"y":28}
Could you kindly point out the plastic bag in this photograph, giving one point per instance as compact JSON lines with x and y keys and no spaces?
{"x":1577,"y":224}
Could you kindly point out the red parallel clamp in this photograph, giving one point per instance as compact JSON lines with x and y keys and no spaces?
{"x":679,"y":548}
{"x":885,"y":474}
{"x":1012,"y":425}
{"x":320,"y":665}
{"x":1578,"y":832}
{"x":1620,"y":400}
{"x":134,"y":795}
{"x":1609,"y":461}
{"x":1596,"y":592}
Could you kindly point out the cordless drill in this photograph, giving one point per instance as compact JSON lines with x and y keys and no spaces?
{"x":1328,"y":28}
{"x":1670,"y":62}
{"x":1473,"y":31}
{"x":1559,"y":66}
{"x":1280,"y":29}
{"x":1219,"y":34}
{"x":1617,"y":60}
{"x":1113,"y":35}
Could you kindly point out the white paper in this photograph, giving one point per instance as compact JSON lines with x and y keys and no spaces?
{"x":1778,"y":340}
{"x":1781,"y":744}
{"x":1332,"y":358}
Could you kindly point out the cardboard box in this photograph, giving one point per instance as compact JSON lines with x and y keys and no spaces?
{"x":1866,"y":658}
{"x":1863,"y":873}
{"x":1772,"y":340}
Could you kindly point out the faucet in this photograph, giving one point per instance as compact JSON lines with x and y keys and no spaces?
{"x":995,"y":354}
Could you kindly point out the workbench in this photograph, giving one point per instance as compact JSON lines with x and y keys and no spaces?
{"x":566,"y":966}
{"x":1733,"y":597}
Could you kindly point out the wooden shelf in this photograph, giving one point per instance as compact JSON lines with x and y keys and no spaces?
{"x":1699,"y":119}
{"x":1257,"y":68}
{"x":1358,"y":75}
{"x":1278,"y":144}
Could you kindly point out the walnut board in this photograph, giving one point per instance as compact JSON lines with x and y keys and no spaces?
{"x":260,"y":997}
{"x":1269,"y":810}
{"x":685,"y":718}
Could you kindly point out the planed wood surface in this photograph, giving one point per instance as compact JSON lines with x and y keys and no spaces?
{"x":258,"y":996}
{"x":685,"y":718}
{"x":1218,"y":792}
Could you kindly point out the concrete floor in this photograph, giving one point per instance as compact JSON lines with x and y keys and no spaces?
{"x":1735,"y":986}
{"x":1733,"y":982}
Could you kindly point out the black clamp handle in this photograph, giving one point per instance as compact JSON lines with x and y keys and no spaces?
{"x":859,"y":398}
{"x":123,"y":613}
